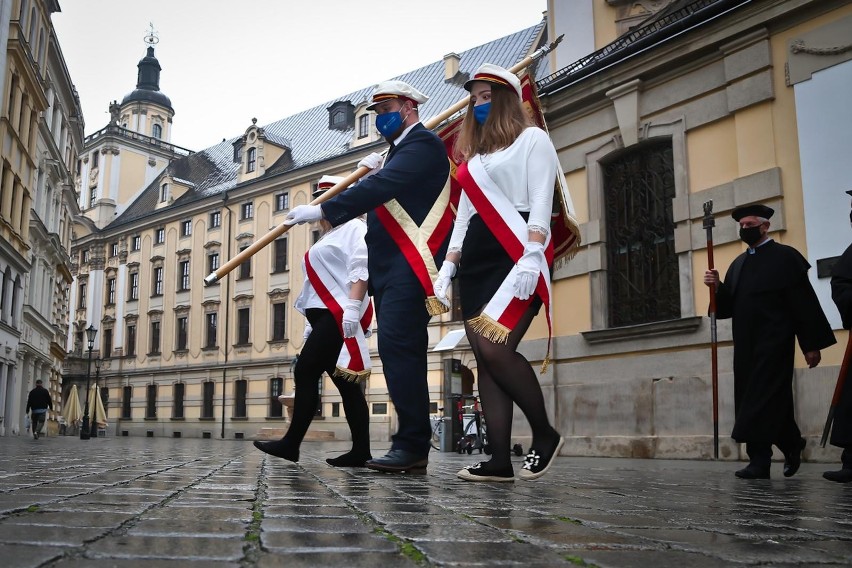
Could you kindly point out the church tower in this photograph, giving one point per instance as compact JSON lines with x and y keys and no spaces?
{"x":121,"y":159}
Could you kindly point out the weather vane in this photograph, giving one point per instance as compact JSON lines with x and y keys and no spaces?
{"x":152,"y":38}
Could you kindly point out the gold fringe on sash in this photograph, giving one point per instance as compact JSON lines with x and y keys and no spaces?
{"x":490,"y":329}
{"x":435,"y":307}
{"x":352,"y":376}
{"x":545,"y":364}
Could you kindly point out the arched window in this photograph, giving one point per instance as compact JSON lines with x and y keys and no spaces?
{"x":251,"y":159}
{"x":164,"y":193}
{"x":157,"y":131}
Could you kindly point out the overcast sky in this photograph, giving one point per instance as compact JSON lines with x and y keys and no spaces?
{"x":224,"y":62}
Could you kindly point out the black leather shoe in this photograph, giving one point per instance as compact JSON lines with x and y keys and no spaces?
{"x":400,"y":461}
{"x":840,"y":476}
{"x":349,"y":459}
{"x":793,"y":461}
{"x":279,"y":449}
{"x":752,"y":471}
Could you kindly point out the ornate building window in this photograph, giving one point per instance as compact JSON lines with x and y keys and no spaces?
{"x":154,"y":335}
{"x":136,"y":243}
{"x":110,"y":291}
{"x":279,"y":321}
{"x":126,"y":396}
{"x":282,"y":201}
{"x":212,"y":262}
{"x":243,"y":326}
{"x":157,"y":281}
{"x":181,"y":332}
{"x":186,"y":228}
{"x":159,"y":236}
{"x":276,"y":389}
{"x":151,"y":402}
{"x":251,"y":159}
{"x":178,"y":391}
{"x":246,"y":211}
{"x":240,"y":392}
{"x":642,"y":269}
{"x":245,"y":267}
{"x":363,"y":126}
{"x":130,"y":340}
{"x":210,"y":329}
{"x":279,"y":255}
{"x":164,"y":193}
{"x":133,"y":282}
{"x":215,"y":219}
{"x":157,"y":131}
{"x":107,"y":335}
{"x":208,"y":391}
{"x":183,"y":275}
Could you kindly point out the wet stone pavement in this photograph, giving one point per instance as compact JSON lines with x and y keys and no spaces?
{"x":144,"y":502}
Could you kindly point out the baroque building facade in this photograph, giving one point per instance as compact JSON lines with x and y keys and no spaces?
{"x":669,"y":104}
{"x":41,"y":129}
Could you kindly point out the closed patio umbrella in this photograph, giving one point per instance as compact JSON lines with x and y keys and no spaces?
{"x":97,"y":410}
{"x":72,"y":411}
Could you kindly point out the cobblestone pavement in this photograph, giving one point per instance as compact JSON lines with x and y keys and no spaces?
{"x":140,"y":502}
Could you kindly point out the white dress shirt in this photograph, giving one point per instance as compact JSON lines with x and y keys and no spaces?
{"x":526,"y":173}
{"x":343,"y":252}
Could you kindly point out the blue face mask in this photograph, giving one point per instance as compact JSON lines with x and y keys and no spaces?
{"x":480,"y":112}
{"x":388,"y":123}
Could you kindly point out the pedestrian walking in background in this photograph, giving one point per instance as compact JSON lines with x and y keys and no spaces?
{"x":334,"y":300}
{"x":501,"y":250}
{"x":767,"y":294}
{"x":841,"y":432}
{"x":405,"y":198}
{"x":38,"y":403}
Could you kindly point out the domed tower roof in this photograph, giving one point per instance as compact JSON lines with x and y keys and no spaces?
{"x":148,"y":83}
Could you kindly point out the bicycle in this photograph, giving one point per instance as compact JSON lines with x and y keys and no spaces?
{"x":437,"y":422}
{"x":474,"y":430}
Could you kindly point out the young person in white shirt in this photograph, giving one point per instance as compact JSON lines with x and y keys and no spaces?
{"x":500,"y":250}
{"x":335,"y":303}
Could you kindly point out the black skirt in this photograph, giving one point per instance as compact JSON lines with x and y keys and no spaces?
{"x":482,"y":268}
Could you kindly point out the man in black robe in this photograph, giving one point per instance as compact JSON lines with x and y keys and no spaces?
{"x":767,"y":293}
{"x":841,"y":431}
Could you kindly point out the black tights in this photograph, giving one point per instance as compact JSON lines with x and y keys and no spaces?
{"x":507,"y":378}
{"x":319,"y":355}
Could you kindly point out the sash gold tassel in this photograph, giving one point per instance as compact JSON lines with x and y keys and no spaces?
{"x":490,"y":329}
{"x":545,"y":364}
{"x":352,"y":376}
{"x":435,"y":307}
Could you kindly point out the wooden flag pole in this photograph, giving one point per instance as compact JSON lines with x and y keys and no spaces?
{"x":431,"y":123}
{"x":709,"y":223}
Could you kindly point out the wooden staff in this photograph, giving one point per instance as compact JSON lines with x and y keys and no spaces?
{"x":431,"y":123}
{"x":838,"y":389}
{"x":709,"y":223}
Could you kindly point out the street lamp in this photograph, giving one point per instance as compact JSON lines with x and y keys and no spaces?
{"x":91,"y":332}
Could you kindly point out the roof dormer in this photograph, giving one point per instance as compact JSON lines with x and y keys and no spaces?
{"x":365,"y":126}
{"x":341,"y":115}
{"x":256,"y":150}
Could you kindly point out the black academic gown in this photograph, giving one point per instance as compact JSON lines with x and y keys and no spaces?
{"x":841,"y":293}
{"x":772,"y":304}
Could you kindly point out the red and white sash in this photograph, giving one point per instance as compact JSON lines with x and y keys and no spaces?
{"x":504,"y":310}
{"x":353,"y":363}
{"x":419,"y":243}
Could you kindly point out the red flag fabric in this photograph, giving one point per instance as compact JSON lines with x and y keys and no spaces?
{"x":564,"y":229}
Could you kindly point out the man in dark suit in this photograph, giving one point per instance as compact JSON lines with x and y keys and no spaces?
{"x":767,"y":293}
{"x":38,"y":402}
{"x":841,"y":431}
{"x":405,"y":198}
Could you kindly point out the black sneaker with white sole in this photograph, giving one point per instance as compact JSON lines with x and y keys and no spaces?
{"x":537,"y":463}
{"x":481,"y":472}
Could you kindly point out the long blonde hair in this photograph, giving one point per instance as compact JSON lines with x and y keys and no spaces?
{"x":506,"y":120}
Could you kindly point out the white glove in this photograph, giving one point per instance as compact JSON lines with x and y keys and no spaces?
{"x":372,"y":161}
{"x":529,"y":268}
{"x":351,"y":318}
{"x":368,"y":333}
{"x":442,"y":283}
{"x":308,"y":329}
{"x":303,"y":214}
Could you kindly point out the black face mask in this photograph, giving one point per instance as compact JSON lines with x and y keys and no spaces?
{"x":750,"y":235}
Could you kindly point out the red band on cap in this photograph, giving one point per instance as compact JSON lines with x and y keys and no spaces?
{"x":492,"y":79}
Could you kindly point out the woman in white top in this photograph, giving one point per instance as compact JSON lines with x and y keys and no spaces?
{"x":334,"y":301}
{"x":500,"y":250}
